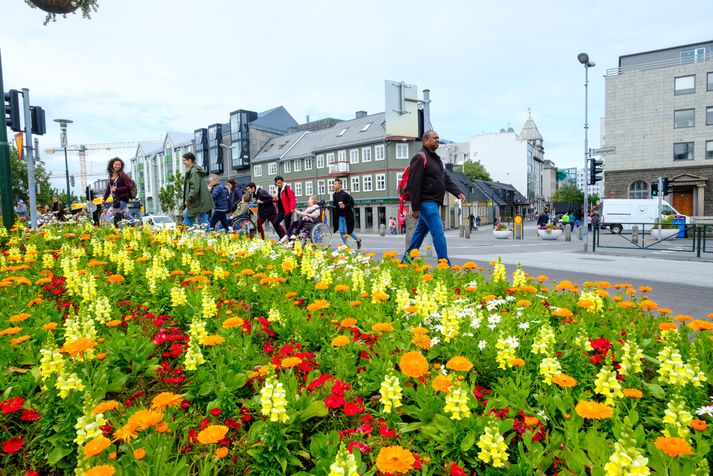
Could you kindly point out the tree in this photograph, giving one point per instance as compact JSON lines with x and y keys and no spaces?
{"x":475,"y":171}
{"x":568,"y":194}
{"x":20,"y":188}
{"x":171,"y":196}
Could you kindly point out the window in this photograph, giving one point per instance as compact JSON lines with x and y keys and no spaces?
{"x":683,"y":118}
{"x":308,"y":188}
{"x":321,"y":190}
{"x":694,"y":55}
{"x":329,"y":185}
{"x":709,"y":116}
{"x":366,"y":127}
{"x":684,"y":85}
{"x":297,"y":165}
{"x":683,"y":151}
{"x":308,"y":163}
{"x":709,"y":149}
{"x":367,"y":183}
{"x":272,"y":168}
{"x":342,"y":156}
{"x":381,"y":181}
{"x":320,"y":161}
{"x":379,"y":152}
{"x":710,"y":82}
{"x":355,"y":184}
{"x":298,"y":189}
{"x":258,"y":171}
{"x":639,"y":189}
{"x":366,"y":154}
{"x":398,"y":178}
{"x":369,"y":215}
{"x":402,"y":151}
{"x":341,"y":133}
{"x":286,"y":167}
{"x":273,"y":189}
{"x":330,"y":158}
{"x":354,"y":156}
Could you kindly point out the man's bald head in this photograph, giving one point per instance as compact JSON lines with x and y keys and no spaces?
{"x":430,"y":140}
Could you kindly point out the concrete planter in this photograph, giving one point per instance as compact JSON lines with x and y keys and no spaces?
{"x":549,"y":234}
{"x":502,"y":234}
{"x":664,"y":233}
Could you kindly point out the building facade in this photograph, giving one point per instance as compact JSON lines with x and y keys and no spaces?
{"x":659,"y":117}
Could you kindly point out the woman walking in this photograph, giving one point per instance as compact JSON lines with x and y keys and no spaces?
{"x":119,"y":187}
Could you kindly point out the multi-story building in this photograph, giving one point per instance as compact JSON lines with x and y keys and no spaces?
{"x":659,"y":118}
{"x":357,"y":151}
{"x":569,"y":176}
{"x":516,"y":159}
{"x":582,"y":180}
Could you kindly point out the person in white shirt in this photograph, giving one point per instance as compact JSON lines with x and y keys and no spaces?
{"x":310,"y":215}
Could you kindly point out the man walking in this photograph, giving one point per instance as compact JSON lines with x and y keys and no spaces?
{"x":343,"y":215}
{"x":427,"y":185}
{"x":196,"y":196}
{"x":220,"y":204}
{"x":265,"y":209}
{"x":285,"y":202}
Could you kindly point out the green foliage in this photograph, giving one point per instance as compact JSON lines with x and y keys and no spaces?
{"x":568,"y":193}
{"x":171,"y":196}
{"x":18,"y":170}
{"x":475,"y":171}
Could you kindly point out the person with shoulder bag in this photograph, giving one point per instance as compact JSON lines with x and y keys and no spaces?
{"x":120,"y":187}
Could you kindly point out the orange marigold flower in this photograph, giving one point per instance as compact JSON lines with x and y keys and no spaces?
{"x":564,"y":381}
{"x":382,"y":327}
{"x":602,"y":293}
{"x":603,"y":284}
{"x":20,"y":340}
{"x":104,"y":407}
{"x":177,"y":272}
{"x":19,"y":317}
{"x":459,"y":363}
{"x":233,"y":322}
{"x":355,"y":303}
{"x":96,"y":446}
{"x":645,"y":289}
{"x":442,"y":383}
{"x":116,"y":278}
{"x":101,"y":470}
{"x":50,"y":326}
{"x":34,"y":302}
{"x":673,"y":446}
{"x":415,"y":253}
{"x":212,"y":434}
{"x":593,"y":410}
{"x":422,"y":341}
{"x":318,"y":305}
{"x":664,"y":310}
{"x":379,"y":296}
{"x":162,"y":427}
{"x":631,"y":291}
{"x":517,"y":362}
{"x":633,"y":393}
{"x":411,"y":309}
{"x":395,"y":459}
{"x":523,"y":303}
{"x":166,"y":399}
{"x":699,"y":425}
{"x":78,"y":347}
{"x":488,"y":297}
{"x":101,"y":355}
{"x":668,"y":326}
{"x":562,"y":312}
{"x":413,"y":364}
{"x":290,"y":295}
{"x":340,"y":341}
{"x":419,"y":331}
{"x":139,"y":453}
{"x":247,"y":272}
{"x":531,"y":420}
{"x":528,"y":289}
{"x":700,"y":325}
{"x":144,"y":419}
{"x":321,"y":286}
{"x":564,"y":285}
{"x":427,"y":277}
{"x":683,"y":318}
{"x":126,"y":433}
{"x":585,"y":303}
{"x":348,"y":322}
{"x":648,"y":304}
{"x":542,"y":278}
{"x":212,"y":340}
{"x":341,"y":288}
{"x":289,"y":362}
{"x":221,"y":453}
{"x":627,"y":305}
{"x":114,"y":323}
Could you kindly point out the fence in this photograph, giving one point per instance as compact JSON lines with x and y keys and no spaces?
{"x":690,"y":238}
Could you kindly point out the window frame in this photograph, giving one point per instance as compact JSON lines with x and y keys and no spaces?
{"x":401,"y":147}
{"x":297,"y":187}
{"x":321,"y":187}
{"x":320,"y":161}
{"x":709,"y":153}
{"x":286,"y":167}
{"x":638,"y":193}
{"x":367,"y":183}
{"x":690,"y":152}
{"x":297,"y":165}
{"x":355,"y":183}
{"x":380,"y":178}
{"x":709,"y":115}
{"x":272,"y":168}
{"x":691,"y":123}
{"x":709,"y":81}
{"x":379,"y":152}
{"x":681,"y":92}
{"x":354,"y":156}
{"x":308,"y":163}
{"x":257,"y":171}
{"x":309,"y":188}
{"x":330,"y":158}
{"x":366,"y":154}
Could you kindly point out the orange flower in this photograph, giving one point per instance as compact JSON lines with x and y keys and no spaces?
{"x":19,"y":317}
{"x":645,"y":289}
{"x":390,"y":254}
{"x":289,"y":362}
{"x":20,"y":339}
{"x":166,"y":399}
{"x":35,"y":302}
{"x":114,"y":323}
{"x":104,"y":407}
{"x":442,"y":383}
{"x":232,"y":323}
{"x":340,"y":341}
{"x":290,"y":295}
{"x":116,"y":278}
{"x":700,"y":325}
{"x":221,"y":453}
{"x":562,"y":312}
{"x":664,"y":310}
{"x":395,"y":459}
{"x":593,"y":410}
{"x":603,"y":284}
{"x":648,"y":304}
{"x":101,"y":470}
{"x":459,"y":363}
{"x":422,"y":341}
{"x":633,"y":393}
{"x":668,"y":326}
{"x":341,"y":288}
{"x":411,"y":309}
{"x":517,"y":362}
{"x":139,"y":453}
{"x":683,"y":318}
{"x":96,"y":446}
{"x":531,"y":420}
{"x":379,"y":296}
{"x":673,"y":446}
{"x":627,"y":305}
{"x":77,"y":347}
{"x":143,"y":419}
{"x":585,"y":303}
{"x":564,"y":381}
{"x":415,"y":253}
{"x":101,"y":355}
{"x":382,"y":327}
{"x":542,"y":278}
{"x":212,"y":340}
{"x":318,"y":305}
{"x":212,"y":434}
{"x":162,"y":427}
{"x":564,"y":285}
{"x":413,"y":364}
{"x":523,"y":303}
{"x":321,"y":286}
{"x":126,"y":433}
{"x":355,"y":303}
{"x":348,"y":322}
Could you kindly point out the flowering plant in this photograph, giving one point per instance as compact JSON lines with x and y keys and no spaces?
{"x":502,"y":227}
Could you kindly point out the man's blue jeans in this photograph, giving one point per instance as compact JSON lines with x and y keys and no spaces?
{"x":343,"y":230}
{"x":429,"y":220}
{"x":189,"y":221}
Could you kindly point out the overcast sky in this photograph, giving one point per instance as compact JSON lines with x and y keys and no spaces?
{"x":140,"y":68}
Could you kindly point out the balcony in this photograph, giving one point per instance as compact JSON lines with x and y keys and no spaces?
{"x":338,"y":168}
{"x":667,"y":63}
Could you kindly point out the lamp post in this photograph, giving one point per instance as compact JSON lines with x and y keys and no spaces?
{"x":63,"y":140}
{"x":584,"y":60}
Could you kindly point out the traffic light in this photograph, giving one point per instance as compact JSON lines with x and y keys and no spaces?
{"x":667,"y":186}
{"x":12,"y":110}
{"x":596,"y":167}
{"x":655,"y":188}
{"x":39,"y":126}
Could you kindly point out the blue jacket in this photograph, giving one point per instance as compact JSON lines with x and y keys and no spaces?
{"x":220,"y":198}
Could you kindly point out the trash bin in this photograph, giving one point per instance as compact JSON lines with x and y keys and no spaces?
{"x":682,"y":228}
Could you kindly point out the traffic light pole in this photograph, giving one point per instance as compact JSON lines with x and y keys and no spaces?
{"x":587,"y":154}
{"x":8,"y":212}
{"x":661,"y":192}
{"x":30,"y":154}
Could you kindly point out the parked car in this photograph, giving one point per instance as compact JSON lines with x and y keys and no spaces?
{"x":158,"y":222}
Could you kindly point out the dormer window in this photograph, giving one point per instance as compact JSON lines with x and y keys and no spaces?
{"x":341,"y":133}
{"x":366,"y":127}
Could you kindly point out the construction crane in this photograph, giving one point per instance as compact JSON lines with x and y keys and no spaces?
{"x":82,"y":149}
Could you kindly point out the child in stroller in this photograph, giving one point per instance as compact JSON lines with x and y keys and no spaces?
{"x":310,"y":216}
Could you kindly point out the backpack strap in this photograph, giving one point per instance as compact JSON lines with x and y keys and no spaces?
{"x":425,"y":160}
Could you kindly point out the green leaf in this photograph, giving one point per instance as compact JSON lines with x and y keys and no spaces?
{"x":206,"y":389}
{"x":315,"y":409}
{"x":467,"y":442}
{"x":58,"y":453}
{"x":656,"y":391}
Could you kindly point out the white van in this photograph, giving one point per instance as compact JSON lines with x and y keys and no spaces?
{"x":619,"y":214}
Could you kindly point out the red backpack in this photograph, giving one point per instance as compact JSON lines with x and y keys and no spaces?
{"x":404,"y":195}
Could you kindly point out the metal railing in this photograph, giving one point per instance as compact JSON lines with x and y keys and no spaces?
{"x":659,"y":64}
{"x":688,"y":238}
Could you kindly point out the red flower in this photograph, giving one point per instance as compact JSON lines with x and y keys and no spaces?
{"x":334,"y":401}
{"x":352,"y":408}
{"x":29,"y":415}
{"x":363,"y":448}
{"x":456,"y":470}
{"x":12,"y":445}
{"x":385,"y":432}
{"x":215,"y":412}
{"x":318,"y":382}
{"x":232,"y":423}
{"x":11,"y":405}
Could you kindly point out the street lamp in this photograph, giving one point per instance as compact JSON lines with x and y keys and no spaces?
{"x":63,"y":140}
{"x":584,"y":60}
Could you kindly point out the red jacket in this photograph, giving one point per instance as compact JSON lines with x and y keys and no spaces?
{"x":286,"y":200}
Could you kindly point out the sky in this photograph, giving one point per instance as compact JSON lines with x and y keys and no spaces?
{"x":139,"y":68}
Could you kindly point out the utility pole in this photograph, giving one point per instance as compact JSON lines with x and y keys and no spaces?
{"x":30,"y":155}
{"x":8,"y":212}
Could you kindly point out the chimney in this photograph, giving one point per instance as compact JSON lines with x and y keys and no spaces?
{"x":360,"y":114}
{"x":308,"y":119}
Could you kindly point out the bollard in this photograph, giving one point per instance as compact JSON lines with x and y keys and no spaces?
{"x":635,"y":234}
{"x":410,"y":228}
{"x":467,"y":231}
{"x":462,"y":231}
{"x":567,"y":233}
{"x":382,"y":230}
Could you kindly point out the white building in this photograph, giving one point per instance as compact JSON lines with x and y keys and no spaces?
{"x":591,"y":189}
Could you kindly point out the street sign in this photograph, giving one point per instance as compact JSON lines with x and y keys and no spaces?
{"x":604,"y":150}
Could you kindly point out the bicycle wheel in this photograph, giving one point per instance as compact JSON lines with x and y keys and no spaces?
{"x":244,"y":226}
{"x":321,"y":235}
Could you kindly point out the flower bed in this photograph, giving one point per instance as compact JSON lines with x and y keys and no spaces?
{"x":135,"y":351}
